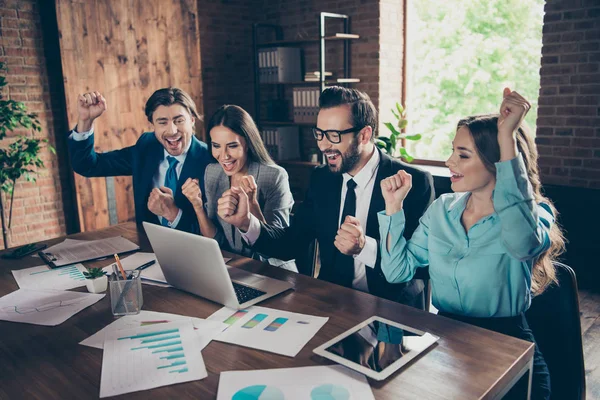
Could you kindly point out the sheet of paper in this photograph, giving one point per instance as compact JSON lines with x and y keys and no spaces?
{"x":204,"y":330}
{"x":276,"y":331}
{"x":44,"y":307}
{"x":43,"y":277}
{"x":332,"y":382}
{"x":77,"y":251}
{"x":152,"y":275}
{"x":150,"y":356}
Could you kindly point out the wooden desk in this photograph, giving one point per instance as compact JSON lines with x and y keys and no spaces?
{"x":48,"y":363}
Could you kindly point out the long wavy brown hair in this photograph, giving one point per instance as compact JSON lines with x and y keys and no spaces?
{"x":484,"y":130}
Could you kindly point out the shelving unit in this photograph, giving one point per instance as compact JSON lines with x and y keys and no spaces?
{"x":282,"y":91}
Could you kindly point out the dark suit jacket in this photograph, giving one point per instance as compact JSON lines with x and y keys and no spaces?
{"x":317,"y":217}
{"x":141,"y":161}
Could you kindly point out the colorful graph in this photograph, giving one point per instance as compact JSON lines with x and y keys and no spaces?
{"x":330,"y":392}
{"x":276,"y":324}
{"x":258,"y":392}
{"x":70,"y":271}
{"x":235,"y":317}
{"x":164,"y":341}
{"x":254,"y":321}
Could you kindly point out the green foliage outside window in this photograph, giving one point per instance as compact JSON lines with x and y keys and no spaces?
{"x":461,"y":54}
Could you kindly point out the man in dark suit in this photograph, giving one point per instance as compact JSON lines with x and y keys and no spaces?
{"x":160,"y":161}
{"x":341,"y":205}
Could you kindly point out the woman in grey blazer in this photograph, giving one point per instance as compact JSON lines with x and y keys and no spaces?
{"x":243,"y":161}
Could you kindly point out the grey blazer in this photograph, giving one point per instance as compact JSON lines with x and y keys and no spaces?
{"x":274,"y":197}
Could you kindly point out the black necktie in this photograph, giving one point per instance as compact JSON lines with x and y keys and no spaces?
{"x":342,"y":261}
{"x":350,"y":202}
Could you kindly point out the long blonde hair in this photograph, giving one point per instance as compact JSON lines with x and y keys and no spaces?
{"x":484,"y":130}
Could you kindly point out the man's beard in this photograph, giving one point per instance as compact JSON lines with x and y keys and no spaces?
{"x":349,"y":159}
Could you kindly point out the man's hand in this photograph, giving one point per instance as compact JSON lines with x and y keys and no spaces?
{"x":234,"y":208}
{"x":350,"y":238}
{"x":248,"y":185}
{"x":162,"y":203}
{"x":90,"y":106}
{"x":191,"y":190}
{"x":394,"y":190}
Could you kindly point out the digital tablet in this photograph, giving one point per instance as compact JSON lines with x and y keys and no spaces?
{"x":376,"y":347}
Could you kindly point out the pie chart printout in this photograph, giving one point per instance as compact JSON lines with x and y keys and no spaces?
{"x":259,"y":392}
{"x":330,"y":392}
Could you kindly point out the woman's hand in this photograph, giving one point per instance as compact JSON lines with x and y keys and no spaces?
{"x":191,"y":190}
{"x":394,"y":190}
{"x":513,"y":110}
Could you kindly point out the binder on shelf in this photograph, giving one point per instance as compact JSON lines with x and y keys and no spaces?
{"x":280,"y":65}
{"x":282,"y":142}
{"x":306,"y":104}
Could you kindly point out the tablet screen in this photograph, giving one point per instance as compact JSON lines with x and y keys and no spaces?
{"x":378,"y":345}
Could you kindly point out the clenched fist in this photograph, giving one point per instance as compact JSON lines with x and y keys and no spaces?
{"x":90,"y":106}
{"x":162,"y":203}
{"x":395,"y":189}
{"x":350,"y":238}
{"x":191,"y":190}
{"x":234,"y":208}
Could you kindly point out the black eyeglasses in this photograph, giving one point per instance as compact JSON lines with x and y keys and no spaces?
{"x":332,"y":135}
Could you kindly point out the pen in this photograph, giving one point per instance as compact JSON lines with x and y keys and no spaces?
{"x":120,"y":266}
{"x":144,"y":266}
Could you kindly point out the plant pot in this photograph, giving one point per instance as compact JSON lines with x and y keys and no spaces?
{"x":97,"y":285}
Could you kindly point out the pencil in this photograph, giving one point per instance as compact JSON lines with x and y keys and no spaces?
{"x":120,"y":266}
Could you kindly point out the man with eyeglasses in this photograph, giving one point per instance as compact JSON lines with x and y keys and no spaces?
{"x":341,"y":205}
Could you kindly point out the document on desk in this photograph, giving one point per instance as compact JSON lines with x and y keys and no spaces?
{"x":43,"y":277}
{"x":44,"y":307}
{"x":150,"y":356}
{"x":71,"y":251}
{"x":320,"y":382}
{"x":262,"y":328}
{"x":204,"y":330}
{"x":152,"y":275}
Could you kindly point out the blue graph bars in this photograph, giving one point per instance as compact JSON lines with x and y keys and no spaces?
{"x":165,"y":340}
{"x":72,"y":271}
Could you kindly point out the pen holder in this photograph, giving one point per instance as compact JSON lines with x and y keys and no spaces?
{"x":126,"y":294}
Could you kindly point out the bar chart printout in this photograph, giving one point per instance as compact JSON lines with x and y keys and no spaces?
{"x":150,"y":356}
{"x":43,"y":277}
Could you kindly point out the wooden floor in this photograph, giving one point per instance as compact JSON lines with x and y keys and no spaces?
{"x":589,"y":305}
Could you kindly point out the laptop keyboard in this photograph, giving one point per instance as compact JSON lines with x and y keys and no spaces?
{"x":246,"y":293}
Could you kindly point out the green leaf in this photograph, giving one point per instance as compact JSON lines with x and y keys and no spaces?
{"x":392,"y":129}
{"x":399,"y":108}
{"x":404,"y":154}
{"x":412,"y":137}
{"x":402,"y":124}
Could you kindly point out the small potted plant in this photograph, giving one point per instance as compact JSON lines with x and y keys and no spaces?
{"x":96,"y":280}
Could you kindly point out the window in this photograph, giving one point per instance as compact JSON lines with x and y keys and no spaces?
{"x":460,"y":55}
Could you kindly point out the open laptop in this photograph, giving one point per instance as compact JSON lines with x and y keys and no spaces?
{"x":194,"y":263}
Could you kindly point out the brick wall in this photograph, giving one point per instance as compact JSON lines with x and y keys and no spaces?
{"x":226,"y":51}
{"x":568,"y":134}
{"x":38,"y":207}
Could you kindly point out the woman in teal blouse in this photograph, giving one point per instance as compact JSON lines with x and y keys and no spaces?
{"x":490,"y":244}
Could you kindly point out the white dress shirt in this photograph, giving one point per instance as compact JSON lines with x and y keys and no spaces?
{"x":159,"y":177}
{"x":365,"y":182}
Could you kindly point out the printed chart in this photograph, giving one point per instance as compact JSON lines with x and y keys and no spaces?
{"x":42,"y":277}
{"x":276,"y":331}
{"x":204,"y":330}
{"x":305,"y":383}
{"x":44,"y":307}
{"x":151,"y":356}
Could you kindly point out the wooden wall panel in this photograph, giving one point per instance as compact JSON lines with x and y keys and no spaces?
{"x":126,"y":49}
